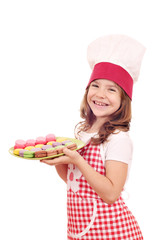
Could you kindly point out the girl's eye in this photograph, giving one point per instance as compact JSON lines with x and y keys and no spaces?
{"x":94,"y":85}
{"x":112,"y":90}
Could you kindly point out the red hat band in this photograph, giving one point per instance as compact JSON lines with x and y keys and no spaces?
{"x":115,"y":73}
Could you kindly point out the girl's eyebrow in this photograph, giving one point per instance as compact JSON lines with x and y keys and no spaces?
{"x":95,"y":81}
{"x":112,"y":85}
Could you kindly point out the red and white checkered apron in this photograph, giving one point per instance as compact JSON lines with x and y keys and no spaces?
{"x":89,"y":217}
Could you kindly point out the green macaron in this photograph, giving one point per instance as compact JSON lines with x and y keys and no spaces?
{"x":28,"y":154}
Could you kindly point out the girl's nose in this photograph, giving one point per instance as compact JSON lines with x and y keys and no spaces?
{"x":101,"y":93}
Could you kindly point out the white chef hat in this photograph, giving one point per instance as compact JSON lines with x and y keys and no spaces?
{"x":117,"y":58}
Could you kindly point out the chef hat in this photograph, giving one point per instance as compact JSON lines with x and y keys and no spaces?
{"x":117,"y":58}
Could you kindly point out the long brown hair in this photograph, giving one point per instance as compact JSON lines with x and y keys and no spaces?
{"x":119,"y":120}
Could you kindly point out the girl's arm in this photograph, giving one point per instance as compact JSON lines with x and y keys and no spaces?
{"x":62,"y":171}
{"x":107,"y":187}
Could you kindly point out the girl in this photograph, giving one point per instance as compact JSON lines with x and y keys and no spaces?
{"x":96,"y":174}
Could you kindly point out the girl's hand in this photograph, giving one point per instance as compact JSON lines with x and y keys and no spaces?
{"x":69,"y":157}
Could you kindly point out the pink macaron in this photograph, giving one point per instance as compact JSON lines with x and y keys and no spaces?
{"x":30,"y":142}
{"x":41,"y":140}
{"x":20,"y":144}
{"x":50,"y":138}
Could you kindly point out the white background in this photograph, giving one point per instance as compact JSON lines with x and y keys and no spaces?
{"x":43,"y":74}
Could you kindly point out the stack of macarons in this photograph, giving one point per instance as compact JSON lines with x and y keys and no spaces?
{"x":42,"y":146}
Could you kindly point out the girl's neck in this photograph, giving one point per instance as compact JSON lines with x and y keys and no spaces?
{"x":96,"y":126}
{"x":91,"y":130}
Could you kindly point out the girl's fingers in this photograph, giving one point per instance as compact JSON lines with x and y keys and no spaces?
{"x":55,"y":161}
{"x":67,"y":152}
{"x":68,"y":157}
{"x":49,"y":161}
{"x":70,"y":153}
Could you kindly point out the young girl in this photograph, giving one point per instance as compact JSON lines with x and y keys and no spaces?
{"x":96,"y":174}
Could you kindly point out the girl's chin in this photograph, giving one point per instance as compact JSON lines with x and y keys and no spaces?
{"x":100,"y":115}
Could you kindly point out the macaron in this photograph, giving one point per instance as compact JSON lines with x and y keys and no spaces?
{"x":61,"y":139}
{"x":20,"y":144}
{"x":50,"y":143}
{"x":51,"y":148}
{"x":71,"y":146}
{"x":39,"y":146}
{"x":30,"y":142}
{"x":36,"y":149}
{"x":50,"y":137}
{"x":55,"y":144}
{"x":51,"y":152}
{"x":28,"y":154}
{"x":59,"y":149}
{"x":40,"y":154}
{"x":16,"y":151}
{"x":40,"y":140}
{"x":21,"y":152}
{"x":64,"y":142}
{"x":29,"y":148}
{"x":44,"y":147}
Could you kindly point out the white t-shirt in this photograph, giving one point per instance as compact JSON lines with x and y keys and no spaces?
{"x":118,"y":147}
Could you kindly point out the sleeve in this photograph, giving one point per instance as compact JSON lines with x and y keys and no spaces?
{"x":76,"y":130}
{"x":119,"y":148}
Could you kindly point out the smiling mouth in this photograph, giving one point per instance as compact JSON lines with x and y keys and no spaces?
{"x":100,"y":104}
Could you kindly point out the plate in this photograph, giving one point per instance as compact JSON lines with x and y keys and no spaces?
{"x":79,"y":143}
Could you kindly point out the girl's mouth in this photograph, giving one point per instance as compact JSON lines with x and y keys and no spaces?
{"x":100,"y":103}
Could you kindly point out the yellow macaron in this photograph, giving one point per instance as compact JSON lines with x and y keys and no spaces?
{"x":61,"y":139}
{"x":29,"y":148}
{"x":16,"y":151}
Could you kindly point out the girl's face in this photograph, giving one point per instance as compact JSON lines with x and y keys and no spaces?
{"x":104,"y":98}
